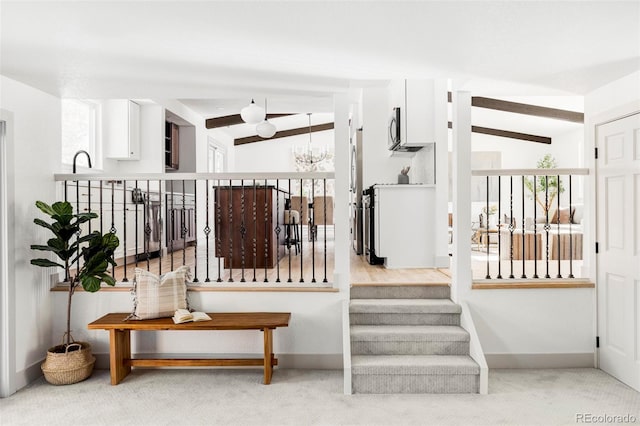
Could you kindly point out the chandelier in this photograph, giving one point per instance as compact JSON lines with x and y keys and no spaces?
{"x":310,"y":155}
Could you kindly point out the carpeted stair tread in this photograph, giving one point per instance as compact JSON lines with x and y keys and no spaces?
{"x":404,"y":306}
{"x":408,"y":333}
{"x":413,"y":365}
{"x":401,"y":291}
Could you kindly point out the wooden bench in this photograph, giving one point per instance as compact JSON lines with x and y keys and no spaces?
{"x":120,"y":360}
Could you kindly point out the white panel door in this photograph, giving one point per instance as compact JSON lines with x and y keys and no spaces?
{"x":618,"y":227}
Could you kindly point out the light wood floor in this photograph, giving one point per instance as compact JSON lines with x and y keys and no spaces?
{"x":364,"y":273}
{"x":288,"y":269}
{"x":361,"y":271}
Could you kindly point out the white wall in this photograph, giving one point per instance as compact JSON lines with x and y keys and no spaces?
{"x":622,"y":95}
{"x":36,"y":141}
{"x":379,"y":166}
{"x":524,"y":322}
{"x":276,"y":155}
{"x":314,"y":330}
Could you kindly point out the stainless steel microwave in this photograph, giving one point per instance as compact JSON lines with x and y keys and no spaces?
{"x":394,"y":129}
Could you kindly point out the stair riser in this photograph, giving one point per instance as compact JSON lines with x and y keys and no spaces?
{"x":404,"y":319}
{"x":400,"y":292}
{"x":385,"y":384}
{"x":410,"y":348}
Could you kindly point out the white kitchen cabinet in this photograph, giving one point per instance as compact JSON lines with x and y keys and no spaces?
{"x":121,"y":123}
{"x":404,"y":221}
{"x":417,"y":114}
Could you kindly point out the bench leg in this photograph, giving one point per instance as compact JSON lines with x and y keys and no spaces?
{"x":119,"y":354}
{"x":268,"y":355}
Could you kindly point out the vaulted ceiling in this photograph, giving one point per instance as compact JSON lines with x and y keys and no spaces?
{"x":215,"y":56}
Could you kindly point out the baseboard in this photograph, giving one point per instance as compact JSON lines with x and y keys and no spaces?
{"x":301,"y":361}
{"x":565,"y":360}
{"x":28,"y":375}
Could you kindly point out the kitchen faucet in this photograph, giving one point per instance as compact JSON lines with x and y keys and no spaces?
{"x":76,"y":156}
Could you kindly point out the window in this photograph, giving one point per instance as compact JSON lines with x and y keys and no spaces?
{"x":79,"y":129}
{"x":216,"y":160}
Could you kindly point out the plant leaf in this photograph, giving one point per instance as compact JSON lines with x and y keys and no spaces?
{"x":62,"y":208}
{"x":45,"y":208}
{"x":108,"y":279}
{"x":90,"y":284}
{"x":41,"y":247}
{"x":45,"y":263}
{"x":44,"y":224}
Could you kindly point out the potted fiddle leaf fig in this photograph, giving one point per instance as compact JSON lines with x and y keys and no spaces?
{"x":92,"y":255}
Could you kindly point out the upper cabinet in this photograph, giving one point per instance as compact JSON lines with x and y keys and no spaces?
{"x":415,"y":98}
{"x":122,"y":129}
{"x":171,"y":146}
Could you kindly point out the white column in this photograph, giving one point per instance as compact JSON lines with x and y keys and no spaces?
{"x":341,"y":212}
{"x":461,"y":173}
{"x":441,"y":174}
{"x":7,"y":259}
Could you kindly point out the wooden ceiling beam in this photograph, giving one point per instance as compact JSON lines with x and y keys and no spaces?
{"x":525,"y":109}
{"x":508,"y":134}
{"x":285,"y":133}
{"x":231,"y":120}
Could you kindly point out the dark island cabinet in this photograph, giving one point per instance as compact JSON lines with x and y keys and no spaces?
{"x":245,"y":223}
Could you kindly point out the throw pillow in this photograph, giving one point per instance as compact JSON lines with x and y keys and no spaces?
{"x":562,"y":216}
{"x":159,"y":296}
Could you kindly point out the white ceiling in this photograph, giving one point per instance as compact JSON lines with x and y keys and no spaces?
{"x":216,"y":55}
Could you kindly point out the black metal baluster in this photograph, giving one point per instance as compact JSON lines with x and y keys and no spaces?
{"x":147,"y":228}
{"x":243,"y":229}
{"x":113,"y":225}
{"x":289,"y":230}
{"x":124,"y":227}
{"x":219,"y":230}
{"x":535,"y":228}
{"x":559,"y":275}
{"x":80,"y":229}
{"x":183,"y":228}
{"x":255,"y":231}
{"x":66,"y":198}
{"x":173,"y":222}
{"x":100,"y":207}
{"x":511,"y":227}
{"x":313,"y":240}
{"x":311,"y":225}
{"x":488,"y":276}
{"x":524,"y":256}
{"x":195,"y":227}
{"x":546,"y":221}
{"x":207,"y":229}
{"x":160,"y":227}
{"x":570,"y":233}
{"x":266,"y":231}
{"x":135,"y":256}
{"x":230,"y":214}
{"x":324,"y":183}
{"x":278,"y":229}
{"x":499,"y":276}
{"x":89,"y":202}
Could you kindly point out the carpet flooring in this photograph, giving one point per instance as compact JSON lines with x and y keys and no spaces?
{"x":314,"y":397}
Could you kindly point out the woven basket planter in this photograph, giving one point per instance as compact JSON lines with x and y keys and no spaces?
{"x":70,"y":366}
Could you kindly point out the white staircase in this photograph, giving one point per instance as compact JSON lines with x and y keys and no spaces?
{"x":408,"y":339}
